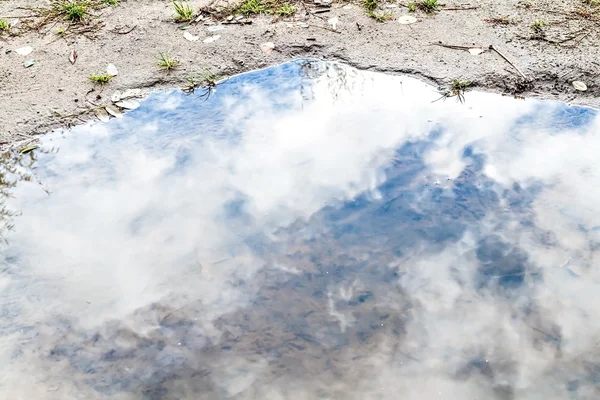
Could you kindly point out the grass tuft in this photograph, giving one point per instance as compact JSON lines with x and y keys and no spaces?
{"x":3,"y":26}
{"x":249,"y":7}
{"x":183,"y":11}
{"x":380,"y":17}
{"x":371,"y":6}
{"x":537,"y":27}
{"x":428,"y":6}
{"x":256,"y":7}
{"x":101,"y":79}
{"x":285,"y":10}
{"x":75,"y":11}
{"x":111,"y":2}
{"x":166,"y":62}
{"x":458,"y":88}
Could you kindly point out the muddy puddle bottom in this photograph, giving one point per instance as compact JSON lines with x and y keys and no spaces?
{"x":309,"y":231}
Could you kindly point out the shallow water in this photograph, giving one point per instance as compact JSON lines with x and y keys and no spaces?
{"x":309,"y":231}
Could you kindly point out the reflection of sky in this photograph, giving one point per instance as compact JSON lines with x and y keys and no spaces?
{"x":310,"y":232}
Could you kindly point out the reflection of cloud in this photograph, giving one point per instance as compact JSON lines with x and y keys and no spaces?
{"x":260,"y":245}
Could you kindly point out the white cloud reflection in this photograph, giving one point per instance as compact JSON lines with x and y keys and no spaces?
{"x":175,"y":212}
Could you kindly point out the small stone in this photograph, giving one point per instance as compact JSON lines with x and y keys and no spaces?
{"x":24,"y":51}
{"x":267,"y":47}
{"x":302,"y":24}
{"x":475,"y":51}
{"x":230,"y":18}
{"x":128,"y":104}
{"x":111,"y":69}
{"x":333,"y":22}
{"x":29,"y":63}
{"x":188,"y":36}
{"x":406,"y":19}
{"x":102,"y":114}
{"x":581,"y":86}
{"x":117,"y":95}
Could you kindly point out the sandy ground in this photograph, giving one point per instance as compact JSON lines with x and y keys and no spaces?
{"x":35,"y":99}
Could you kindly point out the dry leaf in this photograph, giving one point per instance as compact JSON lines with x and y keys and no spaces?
{"x":475,"y":51}
{"x":267,"y":47}
{"x":190,"y":37}
{"x":101,"y":114}
{"x":581,"y":86}
{"x":73,"y":56}
{"x":406,"y":19}
{"x":29,"y":149}
{"x":24,"y":51}
{"x":114,"y":111}
{"x":211,"y":39}
{"x":111,"y":69}
{"x":333,"y":22}
{"x":128,"y":104}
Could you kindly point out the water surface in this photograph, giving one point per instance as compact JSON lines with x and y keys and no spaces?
{"x":309,"y":231}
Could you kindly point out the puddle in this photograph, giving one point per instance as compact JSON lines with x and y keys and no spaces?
{"x":309,"y":231}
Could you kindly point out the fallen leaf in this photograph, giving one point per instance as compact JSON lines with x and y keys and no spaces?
{"x":111,"y":69}
{"x":267,"y":47}
{"x":190,"y":37}
{"x":333,"y":22}
{"x":101,"y":114}
{"x":581,"y":86}
{"x":28,"y":149}
{"x":475,"y":51}
{"x":211,"y":39}
{"x":29,"y":63}
{"x":73,"y":56}
{"x":24,"y":51}
{"x":407,"y":19}
{"x":114,"y":111}
{"x":128,"y":104}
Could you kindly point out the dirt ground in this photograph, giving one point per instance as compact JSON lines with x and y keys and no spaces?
{"x":552,"y":43}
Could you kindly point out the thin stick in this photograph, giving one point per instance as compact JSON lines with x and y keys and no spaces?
{"x":324,"y":27}
{"x":508,"y":61}
{"x":459,"y":8}
{"x":455,"y":47}
{"x":123,"y":32}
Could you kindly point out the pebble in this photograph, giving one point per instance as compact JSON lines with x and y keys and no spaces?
{"x":24,"y":51}
{"x":581,"y":86}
